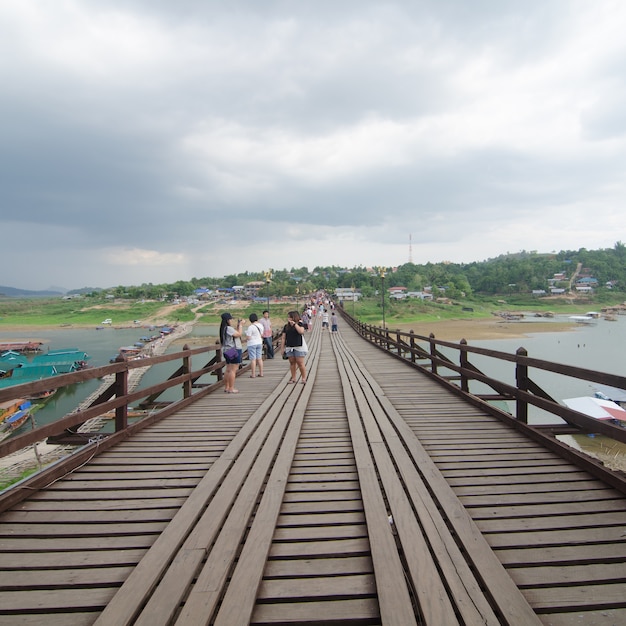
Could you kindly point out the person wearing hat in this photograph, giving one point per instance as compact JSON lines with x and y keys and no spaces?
{"x":230,"y":337}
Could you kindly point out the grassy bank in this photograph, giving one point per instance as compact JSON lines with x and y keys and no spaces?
{"x":57,"y":312}
{"x":84,"y":312}
{"x":399,"y":313}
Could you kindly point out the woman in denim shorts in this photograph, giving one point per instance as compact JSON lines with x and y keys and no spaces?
{"x":294,"y":346}
{"x":231,"y":337}
{"x":254,"y":333}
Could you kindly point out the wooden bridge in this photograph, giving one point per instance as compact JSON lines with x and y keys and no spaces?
{"x":375,"y":493}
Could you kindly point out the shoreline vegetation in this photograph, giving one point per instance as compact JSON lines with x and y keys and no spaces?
{"x":481,"y":326}
{"x":483,"y":321}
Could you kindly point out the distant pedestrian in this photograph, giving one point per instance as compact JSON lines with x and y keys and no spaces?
{"x":333,"y":322}
{"x":267,"y":334}
{"x":230,"y":337}
{"x":305,"y":320}
{"x":324,"y":319}
{"x":254,"y":333}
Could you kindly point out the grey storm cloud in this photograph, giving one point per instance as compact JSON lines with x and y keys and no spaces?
{"x":149,"y":138}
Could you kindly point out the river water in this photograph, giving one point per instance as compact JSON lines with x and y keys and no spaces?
{"x":101,"y":345}
{"x":598,"y":346}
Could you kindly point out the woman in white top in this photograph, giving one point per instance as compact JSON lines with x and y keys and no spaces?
{"x":254,"y":333}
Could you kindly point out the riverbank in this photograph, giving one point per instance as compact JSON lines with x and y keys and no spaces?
{"x":447,"y":330}
{"x":482,"y":328}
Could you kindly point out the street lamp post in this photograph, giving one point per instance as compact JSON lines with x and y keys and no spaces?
{"x":268,"y":280}
{"x":352,"y":301}
{"x":381,"y":273}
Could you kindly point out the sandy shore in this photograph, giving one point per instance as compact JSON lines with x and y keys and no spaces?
{"x":478,"y":329}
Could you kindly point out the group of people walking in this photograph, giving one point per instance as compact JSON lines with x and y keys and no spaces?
{"x":258,"y":334}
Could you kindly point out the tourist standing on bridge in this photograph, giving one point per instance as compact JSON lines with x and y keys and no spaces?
{"x":324,"y":319}
{"x":230,"y":337}
{"x":254,"y":335}
{"x":294,"y":346}
{"x":267,"y":334}
{"x":333,"y":322}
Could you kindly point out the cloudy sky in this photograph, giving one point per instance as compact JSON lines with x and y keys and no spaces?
{"x":150,"y":141}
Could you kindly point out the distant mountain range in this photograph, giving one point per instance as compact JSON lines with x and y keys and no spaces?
{"x":13,"y":292}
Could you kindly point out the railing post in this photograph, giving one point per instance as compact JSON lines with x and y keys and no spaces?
{"x":186,"y":371}
{"x":521,"y":380}
{"x":121,"y":389}
{"x":464,"y":362}
{"x":433,"y":353}
{"x":412,"y":344}
{"x":220,"y":370}
{"x":398,"y":347}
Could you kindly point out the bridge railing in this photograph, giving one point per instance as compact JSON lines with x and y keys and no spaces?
{"x":454,"y":364}
{"x":116,"y":397}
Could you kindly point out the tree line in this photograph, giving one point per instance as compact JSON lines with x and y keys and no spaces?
{"x":521,"y":273}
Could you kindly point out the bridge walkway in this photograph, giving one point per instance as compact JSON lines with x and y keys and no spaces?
{"x":368,"y":495}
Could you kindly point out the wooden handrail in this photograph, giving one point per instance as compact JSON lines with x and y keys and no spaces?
{"x":116,"y":397}
{"x":525,"y":392}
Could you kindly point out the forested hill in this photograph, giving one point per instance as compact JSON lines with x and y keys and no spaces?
{"x":13,"y":292}
{"x":521,"y":273}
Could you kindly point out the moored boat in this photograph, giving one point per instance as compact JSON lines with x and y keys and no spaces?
{"x":606,"y":392}
{"x":583,"y":319}
{"x":598,"y":408}
{"x":30,"y":347}
{"x":11,"y":407}
{"x":16,"y":369}
{"x":42,"y":395}
{"x":16,"y":420}
{"x":13,"y":415}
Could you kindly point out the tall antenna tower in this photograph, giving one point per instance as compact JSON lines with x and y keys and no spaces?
{"x":410,"y":248}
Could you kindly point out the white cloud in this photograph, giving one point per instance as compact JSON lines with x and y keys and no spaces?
{"x":137,"y":256}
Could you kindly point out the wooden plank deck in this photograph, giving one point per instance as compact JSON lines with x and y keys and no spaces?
{"x":369,"y":495}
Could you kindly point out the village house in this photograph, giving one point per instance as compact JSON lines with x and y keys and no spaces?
{"x":252,"y":288}
{"x":348,"y":294}
{"x":422,"y":295}
{"x":397,"y":293}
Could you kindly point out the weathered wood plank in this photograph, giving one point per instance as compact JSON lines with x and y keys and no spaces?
{"x":74,"y":618}
{"x":465,"y":588}
{"x":563,"y":555}
{"x":18,"y":561}
{"x":572,"y":598}
{"x":59,"y":578}
{"x":67,"y":600}
{"x":303,"y":568}
{"x":546,"y":522}
{"x":556,"y":576}
{"x":354,"y":611}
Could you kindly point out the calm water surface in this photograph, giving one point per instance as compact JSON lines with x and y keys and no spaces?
{"x":102,"y":346}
